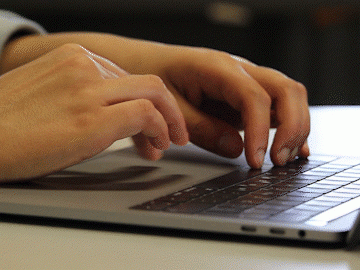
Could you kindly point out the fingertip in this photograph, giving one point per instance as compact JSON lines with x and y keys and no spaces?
{"x":281,"y":157}
{"x":179,"y":135}
{"x":160,"y":143}
{"x":230,"y":145}
{"x":304,"y":150}
{"x":146,"y":149}
{"x":150,"y":153}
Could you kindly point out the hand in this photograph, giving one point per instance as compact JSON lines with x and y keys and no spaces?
{"x":220,"y":94}
{"x":71,"y":104}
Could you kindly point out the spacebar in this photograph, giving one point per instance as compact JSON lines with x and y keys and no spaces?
{"x":337,"y":211}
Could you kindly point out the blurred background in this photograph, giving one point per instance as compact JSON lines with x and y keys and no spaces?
{"x":316,"y":42}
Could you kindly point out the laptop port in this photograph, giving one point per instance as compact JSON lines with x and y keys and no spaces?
{"x":248,"y":228}
{"x":302,"y":234}
{"x":277,"y":231}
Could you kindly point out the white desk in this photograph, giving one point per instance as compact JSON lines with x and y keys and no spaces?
{"x":26,"y":246}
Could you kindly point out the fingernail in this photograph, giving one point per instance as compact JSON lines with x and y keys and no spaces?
{"x":294,"y":153}
{"x":306,"y":148}
{"x":283,"y":155}
{"x":260,"y":155}
{"x":229,"y":144}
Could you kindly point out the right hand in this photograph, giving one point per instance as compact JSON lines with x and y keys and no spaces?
{"x":70,"y":105}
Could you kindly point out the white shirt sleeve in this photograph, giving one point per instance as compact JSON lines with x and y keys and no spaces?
{"x":12,"y":24}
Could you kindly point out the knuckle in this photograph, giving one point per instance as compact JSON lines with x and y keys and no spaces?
{"x":146,"y":108}
{"x":80,"y":61}
{"x":261,"y":98}
{"x":72,"y":48}
{"x":154,"y":82}
{"x":78,"y":70}
{"x":216,"y":57}
{"x":75,"y":57}
{"x":291,"y":87}
{"x":300,"y":88}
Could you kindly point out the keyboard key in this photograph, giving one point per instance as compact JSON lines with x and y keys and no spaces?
{"x":318,"y":173}
{"x":321,"y":159}
{"x":348,"y":174}
{"x":284,"y":172}
{"x":322,"y":185}
{"x":271,"y":209}
{"x":216,"y":198}
{"x":348,"y":190}
{"x":264,"y":179}
{"x":155,"y":205}
{"x":185,"y":195}
{"x":238,"y":190}
{"x":325,"y":170}
{"x":311,"y":190}
{"x":304,"y":194}
{"x":254,"y":216}
{"x":267,"y":194}
{"x":312,"y":208}
{"x":289,"y":200}
{"x":355,"y":185}
{"x":222,"y":212}
{"x":357,"y":167}
{"x":229,"y":179}
{"x":331,"y":183}
{"x":331,"y":198}
{"x":291,"y":184}
{"x":304,"y":177}
{"x":339,"y":167}
{"x":291,"y":216}
{"x":338,"y":179}
{"x":346,"y":161}
{"x":320,"y":202}
{"x":352,"y":170}
{"x":342,"y":194}
{"x":190,"y":207}
{"x":255,"y":183}
{"x":338,"y":211}
{"x":247,"y":200}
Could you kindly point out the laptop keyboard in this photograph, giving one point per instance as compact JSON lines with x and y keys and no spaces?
{"x":295,"y":193}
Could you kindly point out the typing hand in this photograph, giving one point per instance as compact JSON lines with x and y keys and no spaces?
{"x":220,"y":94}
{"x":71,"y":104}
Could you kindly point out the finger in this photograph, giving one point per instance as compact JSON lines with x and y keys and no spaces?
{"x":291,"y":113}
{"x":245,"y":95}
{"x":209,"y":132}
{"x":232,"y":85}
{"x":151,"y":88}
{"x":145,"y":148}
{"x":304,"y":150}
{"x":136,"y":117}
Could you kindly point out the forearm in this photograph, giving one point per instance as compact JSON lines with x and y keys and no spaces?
{"x":130,"y":54}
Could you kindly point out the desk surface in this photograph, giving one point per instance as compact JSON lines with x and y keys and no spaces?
{"x":31,"y":246}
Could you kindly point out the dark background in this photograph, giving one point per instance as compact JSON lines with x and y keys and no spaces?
{"x":315,"y":42}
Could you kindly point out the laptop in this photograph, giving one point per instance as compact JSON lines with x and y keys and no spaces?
{"x":314,"y":199}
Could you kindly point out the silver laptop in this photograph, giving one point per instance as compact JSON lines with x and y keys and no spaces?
{"x":314,"y":199}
